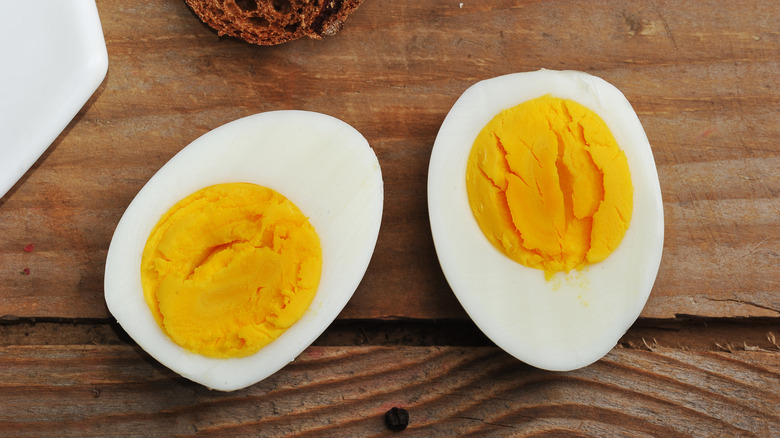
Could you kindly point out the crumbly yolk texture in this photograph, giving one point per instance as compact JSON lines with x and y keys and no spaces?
{"x":229,"y":268}
{"x":549,"y":186}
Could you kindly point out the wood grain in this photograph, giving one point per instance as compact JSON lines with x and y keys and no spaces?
{"x":702,"y":76}
{"x":117,"y":390}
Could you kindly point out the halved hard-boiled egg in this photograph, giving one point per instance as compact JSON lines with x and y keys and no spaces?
{"x":546,"y":214}
{"x":242,"y":249}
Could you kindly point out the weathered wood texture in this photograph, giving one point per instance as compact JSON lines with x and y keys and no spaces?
{"x":703,"y":77}
{"x":117,"y":390}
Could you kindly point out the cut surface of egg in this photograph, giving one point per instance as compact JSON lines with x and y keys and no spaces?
{"x":544,"y":252}
{"x":323,"y":166}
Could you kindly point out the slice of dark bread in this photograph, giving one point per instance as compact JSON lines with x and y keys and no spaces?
{"x":270,"y":22}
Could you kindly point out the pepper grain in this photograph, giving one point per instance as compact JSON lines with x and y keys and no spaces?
{"x":397,"y":419}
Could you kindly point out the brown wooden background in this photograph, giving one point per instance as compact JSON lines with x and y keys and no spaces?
{"x":704,"y":78}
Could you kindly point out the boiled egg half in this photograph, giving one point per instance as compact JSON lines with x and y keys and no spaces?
{"x":546,"y":214}
{"x":324,"y":193}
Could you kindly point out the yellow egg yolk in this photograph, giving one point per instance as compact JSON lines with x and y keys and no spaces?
{"x":229,"y":268}
{"x":549,"y":186}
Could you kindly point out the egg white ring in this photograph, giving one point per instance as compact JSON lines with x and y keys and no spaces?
{"x":572,"y":320}
{"x":321,"y":164}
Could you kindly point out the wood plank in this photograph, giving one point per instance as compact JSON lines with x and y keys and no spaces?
{"x":117,"y":390}
{"x":702,"y":76}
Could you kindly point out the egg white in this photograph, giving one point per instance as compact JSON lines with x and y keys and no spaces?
{"x":321,"y":164}
{"x":574,"y":319}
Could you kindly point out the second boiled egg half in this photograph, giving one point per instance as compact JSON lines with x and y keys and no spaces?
{"x":546,"y":214}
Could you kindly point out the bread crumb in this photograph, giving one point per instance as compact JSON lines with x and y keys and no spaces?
{"x":271,"y":22}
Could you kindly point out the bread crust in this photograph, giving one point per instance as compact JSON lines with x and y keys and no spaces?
{"x":271,"y":22}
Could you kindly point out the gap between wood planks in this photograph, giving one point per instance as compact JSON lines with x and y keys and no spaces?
{"x":695,"y":334}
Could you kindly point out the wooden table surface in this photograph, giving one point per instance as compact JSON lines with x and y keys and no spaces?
{"x":703,"y":359}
